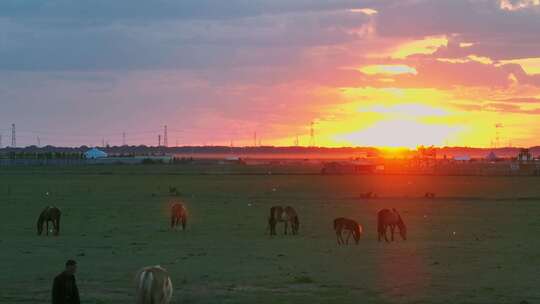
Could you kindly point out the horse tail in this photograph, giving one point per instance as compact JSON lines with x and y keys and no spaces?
{"x":380,"y":224}
{"x":39,"y":224}
{"x":41,"y":219}
{"x":58,"y":222}
{"x":144,"y":292}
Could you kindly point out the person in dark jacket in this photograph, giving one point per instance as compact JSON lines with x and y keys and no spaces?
{"x":65,"y":289}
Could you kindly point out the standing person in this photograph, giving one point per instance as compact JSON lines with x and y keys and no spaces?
{"x":65,"y":289}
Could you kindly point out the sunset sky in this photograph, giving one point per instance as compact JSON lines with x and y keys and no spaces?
{"x":367,"y":73}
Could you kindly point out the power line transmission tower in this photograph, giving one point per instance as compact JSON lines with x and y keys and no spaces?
{"x":38,"y":142}
{"x":123,"y":138}
{"x":312,"y":135}
{"x":13,"y":137}
{"x":498,"y":126}
{"x":165,"y":137}
{"x":159,"y":140}
{"x":255,"y":139}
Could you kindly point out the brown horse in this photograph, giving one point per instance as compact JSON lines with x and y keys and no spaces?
{"x":49,"y":214}
{"x":178,"y":215}
{"x":286,"y":215}
{"x":351,"y":226}
{"x":368,"y":195}
{"x":153,"y":286}
{"x":429,"y":195}
{"x":390,"y":218}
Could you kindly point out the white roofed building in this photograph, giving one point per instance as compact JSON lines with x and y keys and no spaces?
{"x":94,"y":153}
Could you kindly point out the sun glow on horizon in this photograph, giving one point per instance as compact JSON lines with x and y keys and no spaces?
{"x":400,"y":133}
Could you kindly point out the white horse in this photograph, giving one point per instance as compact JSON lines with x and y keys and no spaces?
{"x":153,"y":286}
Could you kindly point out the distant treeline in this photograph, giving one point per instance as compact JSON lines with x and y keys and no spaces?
{"x":142,"y":150}
{"x":42,"y":155}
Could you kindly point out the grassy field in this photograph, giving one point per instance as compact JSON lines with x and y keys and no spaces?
{"x":476,"y":242}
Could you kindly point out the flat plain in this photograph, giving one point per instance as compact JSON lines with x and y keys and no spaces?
{"x":477,"y":241}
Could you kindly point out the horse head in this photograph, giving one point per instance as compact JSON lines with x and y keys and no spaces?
{"x":357,"y":233}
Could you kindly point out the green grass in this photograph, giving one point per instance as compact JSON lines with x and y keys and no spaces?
{"x":115,"y":221}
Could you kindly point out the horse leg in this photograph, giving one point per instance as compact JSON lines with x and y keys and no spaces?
{"x":286,"y":224}
{"x":338,"y":235}
{"x":47,"y":223}
{"x":392,"y":229}
{"x":184,"y":222}
{"x":385,"y":234}
{"x":272,"y":225}
{"x":348,"y":237}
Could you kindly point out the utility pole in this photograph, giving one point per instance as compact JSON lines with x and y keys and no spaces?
{"x":13,"y":137}
{"x":255,"y":139}
{"x":159,"y":140}
{"x":498,"y":126}
{"x":123,"y":138}
{"x":165,"y":137}
{"x":312,"y":135}
{"x":38,"y":142}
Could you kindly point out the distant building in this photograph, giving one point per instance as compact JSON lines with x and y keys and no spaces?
{"x":95,"y":153}
{"x":351,"y":168}
{"x":525,"y":156}
{"x":462,"y":158}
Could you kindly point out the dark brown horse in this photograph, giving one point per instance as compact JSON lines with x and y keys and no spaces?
{"x":286,"y":215}
{"x":390,"y":218}
{"x":368,"y":195}
{"x":429,"y":195}
{"x":49,"y":214}
{"x":178,"y":215}
{"x":349,"y":225}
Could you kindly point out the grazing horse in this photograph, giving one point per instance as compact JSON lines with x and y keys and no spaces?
{"x":153,"y":286}
{"x":173,"y":191}
{"x":49,"y":214}
{"x":429,"y":195}
{"x":286,"y":215}
{"x":351,"y":226}
{"x":178,"y":215}
{"x":368,"y":195}
{"x":390,"y":218}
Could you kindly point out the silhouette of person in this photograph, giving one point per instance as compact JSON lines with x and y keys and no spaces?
{"x":65,"y":289}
